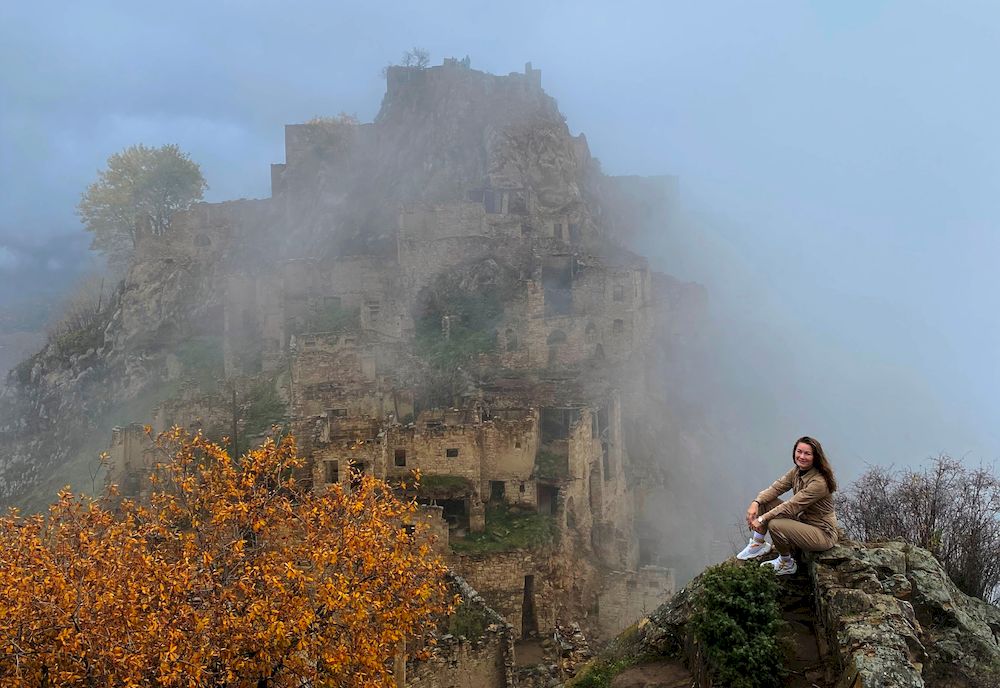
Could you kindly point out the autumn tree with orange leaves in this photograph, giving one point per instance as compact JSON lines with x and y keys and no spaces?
{"x":231,"y":576}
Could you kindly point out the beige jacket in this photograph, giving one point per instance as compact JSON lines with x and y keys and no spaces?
{"x":812,"y":502}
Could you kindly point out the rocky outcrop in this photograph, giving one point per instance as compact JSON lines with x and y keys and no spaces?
{"x":895,"y":619}
{"x":58,"y":408}
{"x":886,"y":616}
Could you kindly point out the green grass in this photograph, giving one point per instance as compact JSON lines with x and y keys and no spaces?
{"x":469,"y":621}
{"x":473,"y":317}
{"x":263,"y":408}
{"x":550,"y":465}
{"x":599,"y":673}
{"x":79,"y":341}
{"x":507,"y":530}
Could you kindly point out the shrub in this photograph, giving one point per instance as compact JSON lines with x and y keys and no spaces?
{"x":949,"y":509}
{"x":736,"y":621}
{"x":78,"y":341}
{"x":469,"y":621}
{"x":473,"y":300}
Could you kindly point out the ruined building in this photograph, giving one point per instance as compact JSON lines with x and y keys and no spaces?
{"x":445,"y":289}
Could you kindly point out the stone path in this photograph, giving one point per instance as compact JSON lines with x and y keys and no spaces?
{"x":661,"y":674}
{"x":805,"y":656}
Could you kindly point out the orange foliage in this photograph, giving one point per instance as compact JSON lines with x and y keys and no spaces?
{"x":231,"y":576}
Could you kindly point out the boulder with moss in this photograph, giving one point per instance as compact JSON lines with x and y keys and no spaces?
{"x":886,"y":616}
{"x":895,"y":619}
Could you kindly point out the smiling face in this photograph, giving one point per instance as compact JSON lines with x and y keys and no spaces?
{"x":803,"y":456}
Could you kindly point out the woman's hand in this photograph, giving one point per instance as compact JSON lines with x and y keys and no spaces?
{"x":752,"y":511}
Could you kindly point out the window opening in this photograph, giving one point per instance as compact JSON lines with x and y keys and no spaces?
{"x":331,"y":472}
{"x":498,"y":489}
{"x":529,"y":620}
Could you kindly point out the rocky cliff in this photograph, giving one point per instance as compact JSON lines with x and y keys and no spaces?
{"x":861,"y":615}
{"x":448,"y":288}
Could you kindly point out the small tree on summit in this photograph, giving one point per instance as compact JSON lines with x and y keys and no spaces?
{"x":417,"y":57}
{"x":140,"y":184}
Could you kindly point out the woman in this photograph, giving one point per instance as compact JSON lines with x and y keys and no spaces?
{"x":806,"y":521}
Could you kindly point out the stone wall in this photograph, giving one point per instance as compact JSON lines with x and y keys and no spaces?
{"x":460,"y":662}
{"x":506,"y":579}
{"x":627,"y":596}
{"x":509,"y":447}
{"x":454,"y":450}
{"x":204,"y":232}
{"x":130,"y":460}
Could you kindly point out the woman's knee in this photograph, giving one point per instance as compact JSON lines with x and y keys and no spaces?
{"x":780,"y":526}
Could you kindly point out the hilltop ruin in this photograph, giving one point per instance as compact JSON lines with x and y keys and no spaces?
{"x":445,"y":289}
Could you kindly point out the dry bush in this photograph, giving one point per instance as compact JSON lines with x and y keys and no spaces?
{"x":947,"y":508}
{"x":84,"y":307}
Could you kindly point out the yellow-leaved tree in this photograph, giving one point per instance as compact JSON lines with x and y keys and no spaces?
{"x":231,"y":576}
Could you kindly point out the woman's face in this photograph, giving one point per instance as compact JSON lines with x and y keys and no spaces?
{"x":803,"y":456}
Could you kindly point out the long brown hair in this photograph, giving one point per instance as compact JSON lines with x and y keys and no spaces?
{"x":820,"y":462}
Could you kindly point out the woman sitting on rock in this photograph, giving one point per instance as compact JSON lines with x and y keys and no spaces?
{"x":806,"y":521}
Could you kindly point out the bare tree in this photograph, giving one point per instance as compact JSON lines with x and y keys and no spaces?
{"x":83,"y":308}
{"x":947,"y":508}
{"x":416,"y":57}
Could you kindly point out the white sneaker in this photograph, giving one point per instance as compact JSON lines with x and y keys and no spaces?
{"x":782,"y":568}
{"x":754,"y":549}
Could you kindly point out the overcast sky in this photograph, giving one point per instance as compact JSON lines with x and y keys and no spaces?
{"x":838,"y":162}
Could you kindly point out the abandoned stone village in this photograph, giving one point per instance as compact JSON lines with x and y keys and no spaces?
{"x":449,"y":290}
{"x":477,"y":321}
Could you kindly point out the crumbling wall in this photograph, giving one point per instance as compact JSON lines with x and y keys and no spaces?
{"x":254,"y":336}
{"x":627,"y":596}
{"x":462,"y":663}
{"x":453,"y":450}
{"x":195,"y":410}
{"x":509,"y":450}
{"x":507,"y":580}
{"x":486,"y":661}
{"x":130,"y":460}
{"x":614,"y":534}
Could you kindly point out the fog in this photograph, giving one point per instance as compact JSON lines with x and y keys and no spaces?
{"x":837,"y":170}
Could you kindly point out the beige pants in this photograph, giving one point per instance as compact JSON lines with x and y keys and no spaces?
{"x":787,"y":533}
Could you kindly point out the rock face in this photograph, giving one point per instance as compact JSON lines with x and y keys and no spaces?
{"x":447,"y":288}
{"x":895,"y":619}
{"x":887,"y":616}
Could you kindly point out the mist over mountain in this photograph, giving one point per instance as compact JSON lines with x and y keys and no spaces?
{"x":835,"y":167}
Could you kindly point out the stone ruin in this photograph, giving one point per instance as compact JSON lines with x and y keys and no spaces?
{"x":467,"y":188}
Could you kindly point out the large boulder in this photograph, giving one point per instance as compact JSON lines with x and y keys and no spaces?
{"x":895,"y":619}
{"x":886,"y":616}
